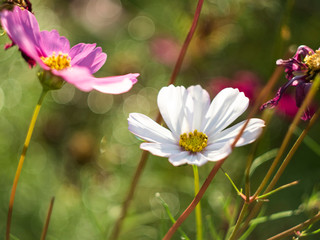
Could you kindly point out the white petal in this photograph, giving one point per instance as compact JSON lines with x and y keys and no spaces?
{"x":186,"y":157}
{"x":197,"y":106}
{"x":250,"y":134}
{"x":217,"y":151}
{"x":171,"y":103}
{"x":227,"y":106}
{"x":160,"y":149}
{"x":200,"y":160}
{"x":180,"y":158}
{"x":147,"y":129}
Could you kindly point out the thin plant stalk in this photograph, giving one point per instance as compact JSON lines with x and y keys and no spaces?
{"x":292,"y":152}
{"x":46,"y":225}
{"x":239,"y":220}
{"x":124,"y":210}
{"x":22,"y":158}
{"x":290,"y":132}
{"x":283,"y":37}
{"x":246,"y":204}
{"x":166,"y":207}
{"x":281,"y":169}
{"x":195,"y":201}
{"x":304,"y":105}
{"x":298,"y":227}
{"x":286,"y":161}
{"x":186,"y":42}
{"x":267,"y":117}
{"x":198,"y":207}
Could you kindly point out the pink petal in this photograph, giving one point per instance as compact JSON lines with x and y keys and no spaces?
{"x":81,"y":78}
{"x":77,"y":76}
{"x":23,"y":29}
{"x":87,"y":55}
{"x":53,"y":42}
{"x":115,"y":84}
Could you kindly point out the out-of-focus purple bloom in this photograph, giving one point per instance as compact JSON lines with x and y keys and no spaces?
{"x":300,"y":70}
{"x":287,"y":106}
{"x":246,"y":81}
{"x":52,"y":52}
{"x":250,"y":84}
{"x":165,"y":50}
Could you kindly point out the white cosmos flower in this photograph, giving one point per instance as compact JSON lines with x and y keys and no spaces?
{"x":197,"y":129}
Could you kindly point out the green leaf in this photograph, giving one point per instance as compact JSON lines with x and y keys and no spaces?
{"x":262,"y":159}
{"x":312,"y":144}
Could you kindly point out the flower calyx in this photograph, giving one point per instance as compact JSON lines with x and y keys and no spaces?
{"x":50,"y":81}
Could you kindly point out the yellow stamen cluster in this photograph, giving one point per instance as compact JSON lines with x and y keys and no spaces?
{"x":313,"y":61}
{"x":194,"y":141}
{"x":59,"y":62}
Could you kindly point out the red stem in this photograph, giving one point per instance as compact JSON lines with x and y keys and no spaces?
{"x":46,"y":225}
{"x":202,"y":190}
{"x":144,"y":156}
{"x":186,"y":43}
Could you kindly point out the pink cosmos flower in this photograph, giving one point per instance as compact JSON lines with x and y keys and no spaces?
{"x":53,"y":53}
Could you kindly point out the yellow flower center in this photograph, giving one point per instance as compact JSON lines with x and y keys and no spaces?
{"x":313,"y":61}
{"x":59,"y":62}
{"x":194,"y":141}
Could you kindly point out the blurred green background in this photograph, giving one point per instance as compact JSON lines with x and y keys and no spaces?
{"x":81,"y":151}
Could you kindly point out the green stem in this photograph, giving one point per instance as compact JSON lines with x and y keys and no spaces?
{"x":232,"y":183}
{"x":166,"y":207}
{"x":287,"y":159}
{"x":292,"y":151}
{"x":287,"y":138}
{"x":277,"y":189}
{"x":21,"y":161}
{"x":198,"y":207}
{"x":239,"y":221}
{"x":299,"y":227}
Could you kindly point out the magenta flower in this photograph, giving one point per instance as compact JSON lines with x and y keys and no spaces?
{"x":246,"y":81}
{"x":287,"y":106}
{"x":300,"y":70}
{"x":53,"y":53}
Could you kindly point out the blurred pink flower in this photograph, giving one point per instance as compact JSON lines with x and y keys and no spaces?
{"x":250,"y":84}
{"x":165,"y":49}
{"x":53,"y":53}
{"x":246,"y":81}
